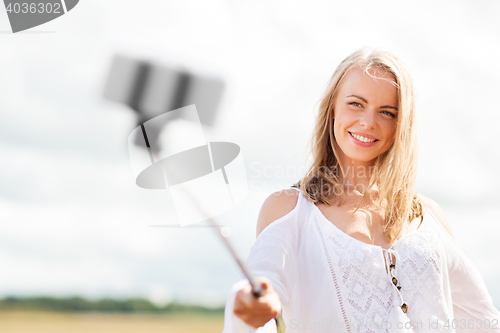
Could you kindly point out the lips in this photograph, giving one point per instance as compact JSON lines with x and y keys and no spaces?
{"x":363,"y":137}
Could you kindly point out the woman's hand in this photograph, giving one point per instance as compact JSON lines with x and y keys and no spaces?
{"x":254,"y":311}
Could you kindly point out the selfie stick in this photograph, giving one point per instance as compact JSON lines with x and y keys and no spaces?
{"x":257,"y":289}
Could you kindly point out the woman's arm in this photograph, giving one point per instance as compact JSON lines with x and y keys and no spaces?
{"x":437,"y":211}
{"x":271,"y":258}
{"x":277,"y":205}
{"x":473,"y":307}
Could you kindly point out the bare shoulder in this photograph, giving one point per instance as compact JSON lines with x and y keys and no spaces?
{"x":277,"y":205}
{"x":437,"y":211}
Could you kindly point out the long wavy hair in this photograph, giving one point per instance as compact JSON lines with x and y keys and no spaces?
{"x":394,"y":171}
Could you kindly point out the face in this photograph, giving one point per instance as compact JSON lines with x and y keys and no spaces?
{"x":365,"y":114}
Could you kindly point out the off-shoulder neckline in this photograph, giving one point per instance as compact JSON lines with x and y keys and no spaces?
{"x":343,"y":234}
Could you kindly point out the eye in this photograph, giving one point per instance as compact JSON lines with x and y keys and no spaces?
{"x":389,"y":113}
{"x":355,"y":104}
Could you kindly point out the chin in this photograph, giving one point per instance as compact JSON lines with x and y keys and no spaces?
{"x":362,"y":158}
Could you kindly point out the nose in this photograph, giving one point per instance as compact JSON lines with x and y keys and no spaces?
{"x":368,"y":119}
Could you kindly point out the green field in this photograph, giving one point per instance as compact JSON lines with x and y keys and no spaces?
{"x":53,"y":322}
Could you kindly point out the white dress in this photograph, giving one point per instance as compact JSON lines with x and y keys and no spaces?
{"x":328,"y":281}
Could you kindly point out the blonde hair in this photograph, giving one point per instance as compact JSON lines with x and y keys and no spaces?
{"x":395,"y":169}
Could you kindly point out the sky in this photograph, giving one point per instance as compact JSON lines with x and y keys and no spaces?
{"x":72,"y":220}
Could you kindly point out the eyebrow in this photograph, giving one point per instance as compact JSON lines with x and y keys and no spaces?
{"x":382,"y":107}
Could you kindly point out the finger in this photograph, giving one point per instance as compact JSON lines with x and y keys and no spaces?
{"x":263,"y":304}
{"x":266,"y":283}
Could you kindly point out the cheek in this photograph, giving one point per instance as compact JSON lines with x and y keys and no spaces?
{"x":389,"y":128}
{"x":336,"y":128}
{"x":391,"y":135}
{"x":342,"y":118}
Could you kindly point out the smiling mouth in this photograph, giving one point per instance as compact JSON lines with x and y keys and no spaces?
{"x":362,"y":138}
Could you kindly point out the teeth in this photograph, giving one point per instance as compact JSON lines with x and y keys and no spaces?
{"x":362,"y":138}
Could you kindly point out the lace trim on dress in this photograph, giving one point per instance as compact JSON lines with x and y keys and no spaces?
{"x":334,"y":277}
{"x":364,"y":285}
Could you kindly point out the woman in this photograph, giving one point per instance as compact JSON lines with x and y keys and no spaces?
{"x":353,"y":248}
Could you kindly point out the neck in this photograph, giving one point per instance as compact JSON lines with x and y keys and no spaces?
{"x":357,"y":176}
